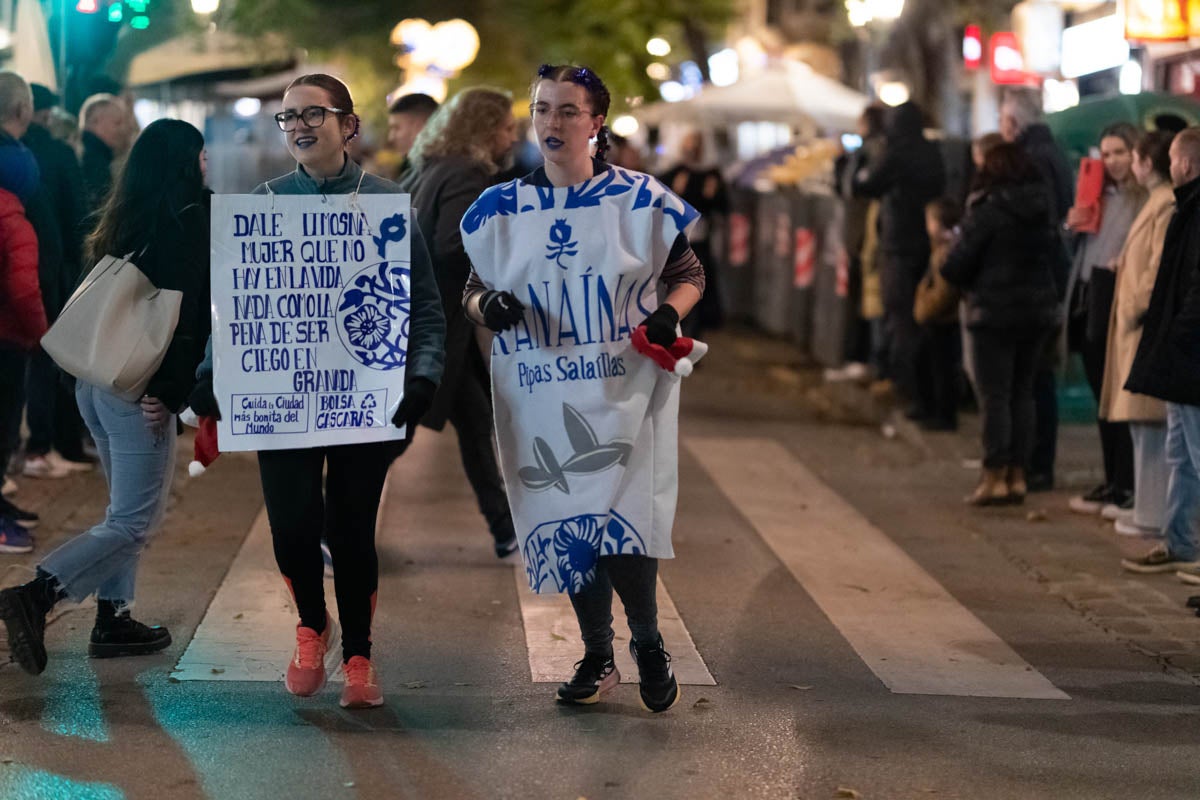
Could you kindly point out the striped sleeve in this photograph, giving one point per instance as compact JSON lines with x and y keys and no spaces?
{"x":684,"y":267}
{"x":473,"y":288}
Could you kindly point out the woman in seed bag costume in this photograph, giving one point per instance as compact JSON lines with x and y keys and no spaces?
{"x":568,"y":262}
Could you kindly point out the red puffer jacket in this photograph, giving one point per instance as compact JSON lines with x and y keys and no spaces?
{"x":22,"y":316}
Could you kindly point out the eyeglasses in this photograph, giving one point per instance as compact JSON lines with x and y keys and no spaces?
{"x":313,"y":116}
{"x":565,"y":113}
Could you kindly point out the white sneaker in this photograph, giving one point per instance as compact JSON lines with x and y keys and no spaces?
{"x":1189,"y":574}
{"x":854,"y":371}
{"x":1126,"y":527}
{"x":10,"y":487}
{"x":42,"y":467}
{"x":66,"y":464}
{"x":1112,"y":512}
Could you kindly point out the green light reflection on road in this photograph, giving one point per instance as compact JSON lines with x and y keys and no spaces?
{"x":18,"y":782}
{"x":73,"y":704}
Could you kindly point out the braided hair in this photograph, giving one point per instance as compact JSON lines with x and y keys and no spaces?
{"x":595,"y":88}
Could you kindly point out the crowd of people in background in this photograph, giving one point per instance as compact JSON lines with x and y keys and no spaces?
{"x":987,"y":299}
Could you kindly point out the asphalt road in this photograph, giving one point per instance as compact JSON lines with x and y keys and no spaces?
{"x":802,"y":706}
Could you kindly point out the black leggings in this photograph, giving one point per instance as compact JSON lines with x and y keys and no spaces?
{"x":635,"y":579}
{"x":471,"y":416}
{"x":301,"y":511}
{"x":1091,"y":337}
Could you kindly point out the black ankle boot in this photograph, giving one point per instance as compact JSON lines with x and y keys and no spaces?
{"x":24,"y":609}
{"x":118,"y":634}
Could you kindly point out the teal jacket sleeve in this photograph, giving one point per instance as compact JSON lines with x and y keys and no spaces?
{"x":427,"y":325}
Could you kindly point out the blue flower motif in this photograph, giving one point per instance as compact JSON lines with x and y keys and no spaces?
{"x":561,"y":555}
{"x":560,"y":232}
{"x":367,"y":327}
{"x":577,"y":548}
{"x":391,"y":229}
{"x":373,"y":314}
{"x":561,"y":244}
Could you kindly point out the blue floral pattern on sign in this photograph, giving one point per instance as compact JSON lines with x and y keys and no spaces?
{"x":372,"y":316}
{"x":562,"y":554}
{"x":367,"y":327}
{"x":560,"y":243}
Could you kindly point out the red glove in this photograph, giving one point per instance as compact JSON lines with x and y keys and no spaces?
{"x":679,"y":358}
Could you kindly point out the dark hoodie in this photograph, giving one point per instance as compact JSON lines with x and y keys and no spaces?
{"x":1005,"y":259}
{"x":909,"y":175}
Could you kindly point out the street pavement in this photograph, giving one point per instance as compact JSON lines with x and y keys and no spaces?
{"x":842,"y":624}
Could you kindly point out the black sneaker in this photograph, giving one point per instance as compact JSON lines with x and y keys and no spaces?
{"x":1194,"y":602}
{"x":507,"y":547}
{"x":26,"y":623}
{"x":1092,"y":502}
{"x":658,"y":687}
{"x":124,"y":636}
{"x":1039,"y":482}
{"x":26,"y":519}
{"x":594,"y":675}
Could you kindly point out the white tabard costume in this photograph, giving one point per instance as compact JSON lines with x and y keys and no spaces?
{"x":587,"y":428}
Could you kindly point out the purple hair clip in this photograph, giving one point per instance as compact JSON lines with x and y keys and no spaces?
{"x":578,"y":75}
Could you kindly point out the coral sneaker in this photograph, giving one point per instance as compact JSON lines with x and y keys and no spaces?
{"x":361,"y":689}
{"x":309,"y":666}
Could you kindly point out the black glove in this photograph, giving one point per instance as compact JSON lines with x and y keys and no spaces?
{"x":501,"y":310}
{"x":660,"y":326}
{"x":203,"y":401}
{"x":418,"y":397}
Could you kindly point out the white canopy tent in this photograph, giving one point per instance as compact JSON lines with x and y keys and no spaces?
{"x":785,"y":92}
{"x":32,"y":57}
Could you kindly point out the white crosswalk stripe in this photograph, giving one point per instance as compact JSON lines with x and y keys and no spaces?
{"x":906,"y":627}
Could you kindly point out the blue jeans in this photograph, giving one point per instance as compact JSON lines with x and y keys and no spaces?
{"x":1183,"y":489}
{"x":138,"y":464}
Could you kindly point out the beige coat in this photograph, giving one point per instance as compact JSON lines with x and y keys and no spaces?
{"x":1137,"y":268}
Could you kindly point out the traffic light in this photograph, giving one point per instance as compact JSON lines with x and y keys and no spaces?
{"x":87,"y":6}
{"x":139,"y":19}
{"x":116,"y":12}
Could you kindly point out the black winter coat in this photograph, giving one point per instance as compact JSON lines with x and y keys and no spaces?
{"x":1039,"y":145}
{"x":177,"y":257}
{"x":57,"y":214}
{"x":1005,"y":260}
{"x":442,"y":191}
{"x":1167,"y":364}
{"x":97,"y":164}
{"x":908,"y":175}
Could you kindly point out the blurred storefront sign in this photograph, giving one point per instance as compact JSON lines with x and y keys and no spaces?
{"x":972,"y":47}
{"x":1157,"y":20}
{"x":1094,"y":46}
{"x":1007,"y":62}
{"x":1038,"y":25}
